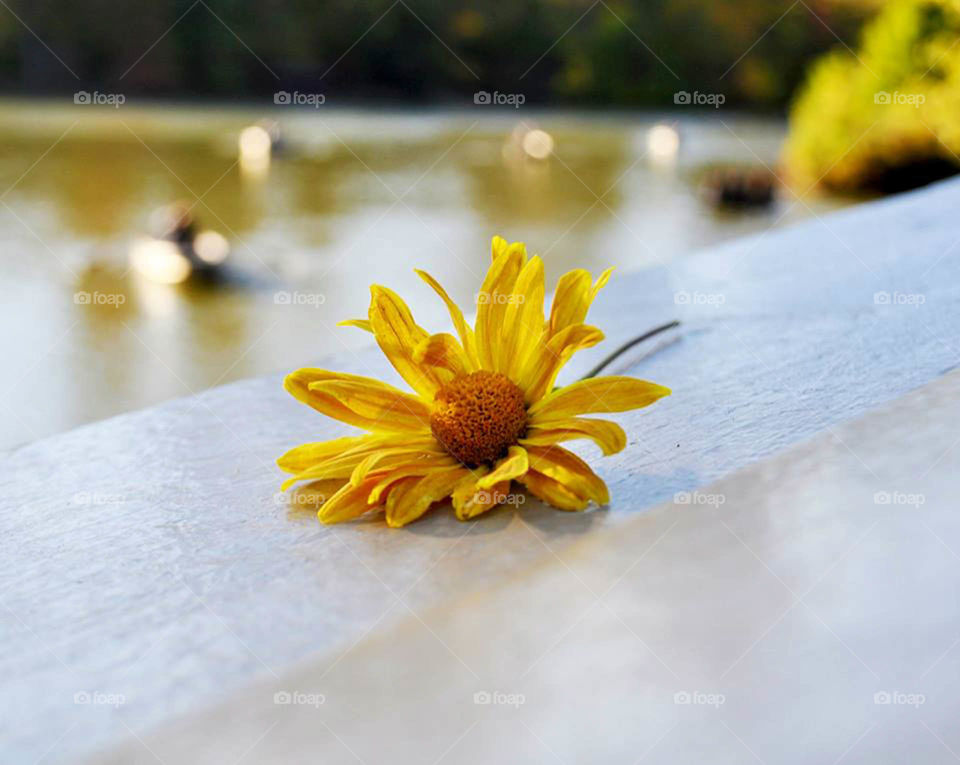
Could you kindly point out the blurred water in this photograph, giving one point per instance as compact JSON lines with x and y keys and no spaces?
{"x":355,"y":198}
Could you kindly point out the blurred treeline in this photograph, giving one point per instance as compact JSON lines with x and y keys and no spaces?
{"x":886,"y":117}
{"x":421,"y":51}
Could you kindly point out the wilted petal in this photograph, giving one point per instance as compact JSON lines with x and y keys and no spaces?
{"x":597,"y":394}
{"x":606,"y":434}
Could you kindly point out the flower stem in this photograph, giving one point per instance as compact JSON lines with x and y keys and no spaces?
{"x":627,"y":346}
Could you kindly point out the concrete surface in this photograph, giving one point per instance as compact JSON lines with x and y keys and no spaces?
{"x":803,"y":610}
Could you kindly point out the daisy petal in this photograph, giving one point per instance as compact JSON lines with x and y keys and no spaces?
{"x":420,"y":441}
{"x":514,"y":465}
{"x":389,"y":460}
{"x":375,"y":405}
{"x":398,"y":335}
{"x":467,"y":500}
{"x":553,"y":492}
{"x":482,"y":500}
{"x":338,"y":468}
{"x":344,"y":465}
{"x":495,"y":293}
{"x":606,"y":434}
{"x":500,"y":246}
{"x":312,"y":495}
{"x":549,"y":357}
{"x":367,"y":403}
{"x":363,"y":324}
{"x":348,"y":503}
{"x":305,"y":456}
{"x":411,"y":498}
{"x":395,"y":473}
{"x":597,"y":394}
{"x":572,"y":298}
{"x":600,"y":283}
{"x":445,"y":352}
{"x":467,"y":338}
{"x":569,"y":470}
{"x":523,"y":320}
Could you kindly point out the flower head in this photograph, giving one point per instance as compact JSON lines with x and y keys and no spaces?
{"x":483,"y":412}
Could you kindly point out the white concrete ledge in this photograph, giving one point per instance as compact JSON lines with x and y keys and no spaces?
{"x":791,"y":616}
{"x":147,"y":557}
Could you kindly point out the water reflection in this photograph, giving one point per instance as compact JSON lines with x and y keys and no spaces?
{"x":352,"y":198}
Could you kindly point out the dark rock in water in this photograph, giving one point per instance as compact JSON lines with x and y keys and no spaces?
{"x":278,"y":143}
{"x":734,"y":187}
{"x":174,"y":223}
{"x":176,"y":249}
{"x":910,"y":173}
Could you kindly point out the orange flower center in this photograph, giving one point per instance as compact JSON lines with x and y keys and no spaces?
{"x":479,"y":416}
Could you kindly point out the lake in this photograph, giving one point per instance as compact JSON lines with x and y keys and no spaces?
{"x":352,"y":197}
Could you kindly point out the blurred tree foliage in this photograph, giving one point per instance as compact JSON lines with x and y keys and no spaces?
{"x":886,"y":118}
{"x":609,"y":53}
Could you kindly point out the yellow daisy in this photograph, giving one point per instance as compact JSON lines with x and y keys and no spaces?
{"x":484,"y":411}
